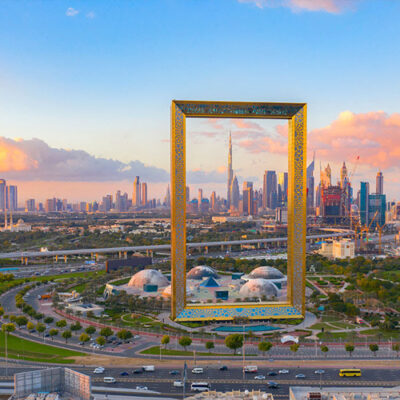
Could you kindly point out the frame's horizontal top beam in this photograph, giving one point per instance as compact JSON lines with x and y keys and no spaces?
{"x":222,"y":109}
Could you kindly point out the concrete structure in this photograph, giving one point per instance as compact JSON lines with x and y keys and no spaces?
{"x":148,"y":277}
{"x":233,"y":395}
{"x":259,"y":288}
{"x":338,"y":249}
{"x":202,"y":271}
{"x":64,"y":381}
{"x":343,"y":393}
{"x":85,"y":308}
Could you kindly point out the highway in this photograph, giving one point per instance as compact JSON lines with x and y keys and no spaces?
{"x":162,"y":382}
{"x":30,"y":254}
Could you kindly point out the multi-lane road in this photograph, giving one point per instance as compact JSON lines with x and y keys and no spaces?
{"x":161,"y":381}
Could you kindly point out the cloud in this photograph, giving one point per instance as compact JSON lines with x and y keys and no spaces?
{"x":90,"y":15}
{"x":330,"y":6}
{"x":374,"y":136}
{"x":35,"y":160}
{"x":71,"y":12}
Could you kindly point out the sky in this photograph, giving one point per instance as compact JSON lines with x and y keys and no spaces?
{"x":86,"y":88}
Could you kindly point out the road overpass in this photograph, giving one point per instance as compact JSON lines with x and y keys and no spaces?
{"x":162,"y":247}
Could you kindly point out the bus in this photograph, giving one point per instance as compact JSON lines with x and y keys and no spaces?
{"x":350,"y":372}
{"x":200,"y":387}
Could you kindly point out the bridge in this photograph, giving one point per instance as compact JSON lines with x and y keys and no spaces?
{"x":154,"y":248}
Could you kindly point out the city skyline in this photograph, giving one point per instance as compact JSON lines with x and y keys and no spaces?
{"x":82,"y":132}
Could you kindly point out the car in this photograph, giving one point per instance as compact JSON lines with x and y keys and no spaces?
{"x":319,"y":371}
{"x":174,"y":372}
{"x":178,"y":384}
{"x":98,"y":370}
{"x":283,"y":371}
{"x":124,"y":373}
{"x":223,"y":368}
{"x":272,"y":373}
{"x":142,"y":388}
{"x":300,"y":376}
{"x":138,"y":371}
{"x":197,"y":370}
{"x":136,"y":337}
{"x":46,"y":335}
{"x":273,"y":385}
{"x":81,"y":343}
{"x":259,"y":377}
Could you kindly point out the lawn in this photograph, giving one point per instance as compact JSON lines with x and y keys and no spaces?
{"x":22,"y":349}
{"x":155,"y":350}
{"x":121,"y":282}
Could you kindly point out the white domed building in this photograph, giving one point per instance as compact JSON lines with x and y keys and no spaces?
{"x":202,"y":271}
{"x":270,"y":273}
{"x":259,"y":287}
{"x":148,"y":277}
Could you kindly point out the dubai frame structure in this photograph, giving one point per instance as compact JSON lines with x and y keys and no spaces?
{"x":294,"y":306}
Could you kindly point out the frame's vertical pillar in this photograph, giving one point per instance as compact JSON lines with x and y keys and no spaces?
{"x":178,"y":211}
{"x":297,"y":222}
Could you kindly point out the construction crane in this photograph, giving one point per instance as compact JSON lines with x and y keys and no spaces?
{"x":380,"y":229}
{"x":365,"y":228}
{"x":357,"y":227}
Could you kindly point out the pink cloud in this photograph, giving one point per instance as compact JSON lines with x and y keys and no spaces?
{"x":330,"y":6}
{"x":245,"y":124}
{"x":374,"y":136}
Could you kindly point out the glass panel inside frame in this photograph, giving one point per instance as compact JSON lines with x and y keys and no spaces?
{"x":236,"y":196}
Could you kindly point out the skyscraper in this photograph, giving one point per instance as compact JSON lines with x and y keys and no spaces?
{"x":310,"y":184}
{"x":200,"y":196}
{"x":187,"y":194}
{"x":343,"y":175}
{"x":13,"y":197}
{"x":248,"y":198}
{"x":214,"y":201}
{"x":3,"y":201}
{"x":283,"y":182}
{"x":269,"y":189}
{"x":364,"y":203}
{"x":230,"y":172}
{"x":235,"y":195}
{"x":167,"y":199}
{"x":136,"y":192}
{"x":379,"y":183}
{"x":144,"y":194}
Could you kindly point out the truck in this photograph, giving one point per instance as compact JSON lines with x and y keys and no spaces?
{"x":148,"y":368}
{"x":250,"y":368}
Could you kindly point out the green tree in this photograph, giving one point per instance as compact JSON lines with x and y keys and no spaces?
{"x":76,"y":327}
{"x":234,"y":342}
{"x":294,"y":347}
{"x":10,"y":327}
{"x":124,"y":334}
{"x":84,"y":337}
{"x":165,"y":340}
{"x":62,"y":323}
{"x":53,"y":332}
{"x":40,"y":328}
{"x":48,"y":320}
{"x":396,"y":348}
{"x":30,"y":326}
{"x":264,"y":346}
{"x":1,"y":311}
{"x":106,"y":332}
{"x":90,"y":330}
{"x":349,"y":348}
{"x":374,"y":348}
{"x":209,"y":346}
{"x":185,"y":341}
{"x":101,"y":340}
{"x":21,"y":320}
{"x":325,"y":350}
{"x":12,"y":318}
{"x":67,"y":334}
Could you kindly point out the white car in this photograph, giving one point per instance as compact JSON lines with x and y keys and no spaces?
{"x":178,"y":384}
{"x":197,"y":370}
{"x":259,"y":377}
{"x":98,"y":370}
{"x":283,"y":371}
{"x":142,"y":388}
